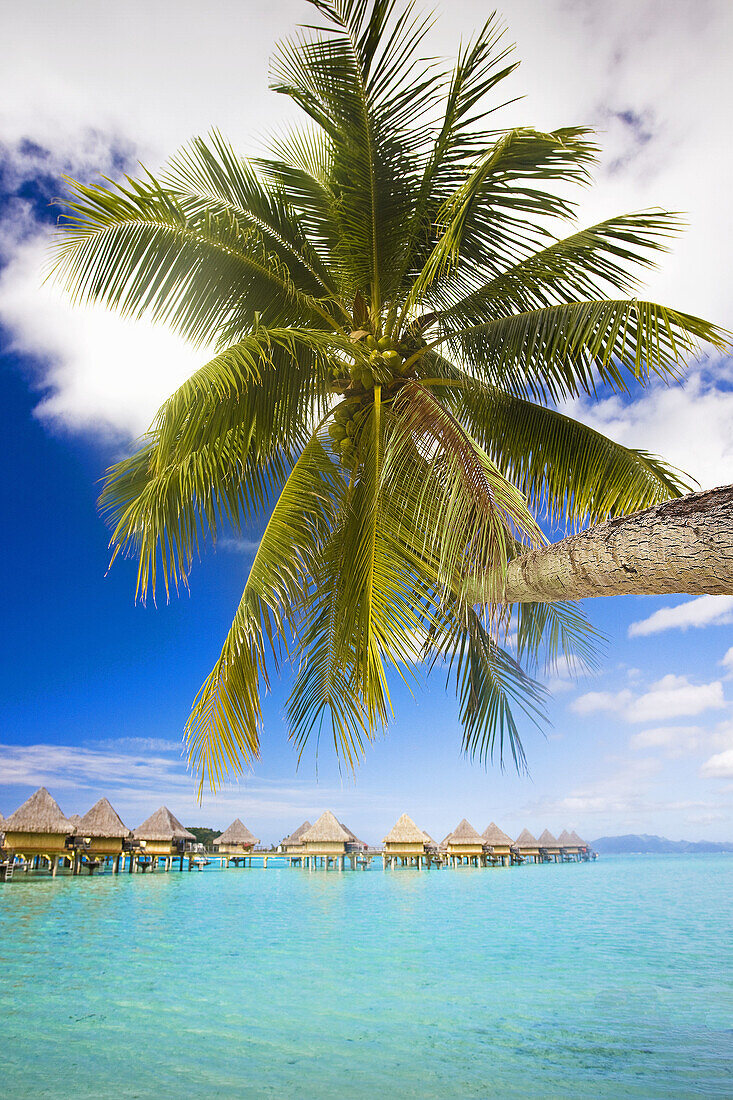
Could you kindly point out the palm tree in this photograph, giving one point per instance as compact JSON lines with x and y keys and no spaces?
{"x":394,"y":315}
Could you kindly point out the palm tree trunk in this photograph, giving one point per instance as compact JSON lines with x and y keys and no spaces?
{"x":682,"y":546}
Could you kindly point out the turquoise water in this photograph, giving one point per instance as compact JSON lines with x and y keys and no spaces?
{"x":611,"y":979}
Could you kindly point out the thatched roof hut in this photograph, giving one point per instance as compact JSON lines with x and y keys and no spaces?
{"x":576,"y":840}
{"x":38,"y":825}
{"x":406,"y":839}
{"x":294,"y":842}
{"x":548,"y":842}
{"x":326,"y":836}
{"x":497,"y":839}
{"x":464,"y":840}
{"x":237,"y":838}
{"x":75,"y":820}
{"x":162,"y":832}
{"x":565,"y":840}
{"x":405,"y":831}
{"x":103,"y":822}
{"x":39,"y":814}
{"x":527,"y":843}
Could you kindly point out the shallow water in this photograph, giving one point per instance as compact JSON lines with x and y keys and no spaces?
{"x":610,"y":979}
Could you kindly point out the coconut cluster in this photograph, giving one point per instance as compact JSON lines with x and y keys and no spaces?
{"x":345,"y":428}
{"x":381,"y":362}
{"x":385,"y":362}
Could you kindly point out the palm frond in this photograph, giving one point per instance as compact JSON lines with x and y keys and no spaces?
{"x":499,"y":213}
{"x":567,"y":469}
{"x":547,"y":633}
{"x":466,"y":509}
{"x":586,"y":264}
{"x":137,"y":249}
{"x":223,"y":728}
{"x":209,"y":177}
{"x":563,"y":350}
{"x":490,"y":685}
{"x":362,"y":83}
{"x":221,"y":445}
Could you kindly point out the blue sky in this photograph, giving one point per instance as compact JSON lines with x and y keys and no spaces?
{"x":94,"y":690}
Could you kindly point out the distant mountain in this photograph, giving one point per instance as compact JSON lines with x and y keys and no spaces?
{"x":644,"y":843}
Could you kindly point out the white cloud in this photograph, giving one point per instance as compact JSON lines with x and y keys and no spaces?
{"x":594,"y":701}
{"x":94,"y":92}
{"x":686,"y":425}
{"x":622,"y":794}
{"x":138,"y":774}
{"x":99,"y":371}
{"x":675,"y":697}
{"x":677,"y":741}
{"x":702,"y":611}
{"x":671,"y":697}
{"x":727,"y":662}
{"x":719,"y":766}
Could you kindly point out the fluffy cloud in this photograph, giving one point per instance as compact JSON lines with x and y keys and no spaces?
{"x":138,"y":774}
{"x":686,"y":425}
{"x":719,"y":766}
{"x":98,"y":371}
{"x":676,"y":741}
{"x":727,"y":661}
{"x":671,"y":697}
{"x":702,"y":611}
{"x":94,"y":96}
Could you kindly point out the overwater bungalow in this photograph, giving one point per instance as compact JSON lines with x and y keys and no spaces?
{"x":568,"y":850}
{"x":464,"y":843}
{"x":75,"y":820}
{"x":293,"y":844}
{"x":329,"y":843}
{"x":38,"y":830}
{"x":528,"y":846}
{"x":500,"y":844}
{"x":549,"y":847}
{"x":104,"y":833}
{"x":582,"y":846}
{"x":407,"y":845}
{"x":360,"y":845}
{"x":162,"y":835}
{"x":236,"y":842}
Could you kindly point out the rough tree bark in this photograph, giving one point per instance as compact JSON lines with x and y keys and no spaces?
{"x":683,"y":546}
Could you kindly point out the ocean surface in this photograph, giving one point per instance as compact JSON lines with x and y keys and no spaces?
{"x":607,"y":979}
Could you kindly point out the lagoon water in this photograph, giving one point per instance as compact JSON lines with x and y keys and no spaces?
{"x":611,"y":979}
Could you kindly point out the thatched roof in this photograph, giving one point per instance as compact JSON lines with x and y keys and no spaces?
{"x":547,"y":840}
{"x":327,"y":829}
{"x":405,"y":831}
{"x":297,"y":836}
{"x":2,"y":821}
{"x":102,"y":821}
{"x":494,"y":835}
{"x":526,"y":840}
{"x":352,"y":836}
{"x":565,"y":840}
{"x":237,"y":833}
{"x":39,"y":814}
{"x":162,"y":825}
{"x":464,"y":833}
{"x":575,"y":839}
